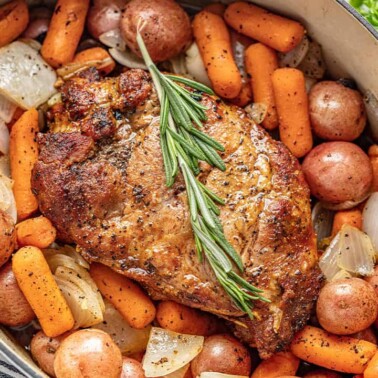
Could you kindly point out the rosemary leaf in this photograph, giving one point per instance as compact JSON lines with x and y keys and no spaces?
{"x":191,"y":83}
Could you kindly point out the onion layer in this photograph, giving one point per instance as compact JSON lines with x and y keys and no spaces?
{"x":25,"y":78}
{"x":169,"y":351}
{"x":7,"y":201}
{"x":78,"y":288}
{"x":128,"y":339}
{"x":370,"y":219}
{"x":350,"y":250}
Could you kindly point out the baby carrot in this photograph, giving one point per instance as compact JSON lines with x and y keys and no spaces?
{"x":341,"y":353}
{"x":260,"y":63}
{"x":64,"y":33}
{"x":14,"y":18}
{"x":292,"y":109}
{"x":280,"y":364}
{"x":182,"y":319}
{"x":372,"y":369}
{"x":216,"y":8}
{"x":277,"y":32}
{"x":38,"y":232}
{"x":23,"y":153}
{"x":41,"y":291}
{"x":214,"y":42}
{"x":125,"y":295}
{"x":352,"y":217}
{"x":373,"y":155}
{"x":100,"y":58}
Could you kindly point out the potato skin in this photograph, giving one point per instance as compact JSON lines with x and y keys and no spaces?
{"x":43,"y":349}
{"x":104,"y":15}
{"x":347,"y":306}
{"x":131,"y":368}
{"x":7,"y":237}
{"x":223,"y":354}
{"x":337,"y":172}
{"x":88,"y":353}
{"x":167,"y":31}
{"x":15,"y":309}
{"x":336,"y":112}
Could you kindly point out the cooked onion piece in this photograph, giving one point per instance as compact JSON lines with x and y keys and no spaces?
{"x":25,"y":78}
{"x":7,"y":201}
{"x":370,"y":219}
{"x":256,"y":111}
{"x":294,"y":57}
{"x":78,"y":288}
{"x":322,"y":220}
{"x":195,"y":66}
{"x":129,"y":340}
{"x":350,"y":250}
{"x":169,"y":351}
{"x":113,"y":39}
{"x":7,"y":109}
{"x":4,"y":138}
{"x":371,"y":105}
{"x":127,"y":58}
{"x":313,"y":64}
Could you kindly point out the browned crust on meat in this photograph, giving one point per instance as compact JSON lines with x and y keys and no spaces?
{"x":104,"y":189}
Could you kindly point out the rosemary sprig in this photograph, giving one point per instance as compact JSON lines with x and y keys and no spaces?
{"x":183,"y":147}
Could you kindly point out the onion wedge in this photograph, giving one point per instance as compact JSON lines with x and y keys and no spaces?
{"x":169,"y":351}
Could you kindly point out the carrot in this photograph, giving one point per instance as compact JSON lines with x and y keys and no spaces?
{"x":125,"y":295}
{"x":14,"y":18}
{"x":245,"y":95}
{"x":38,"y":232}
{"x":99,"y":57}
{"x":280,"y":364}
{"x":260,"y":63}
{"x":64,"y":33}
{"x":352,"y":217}
{"x":216,"y":8}
{"x":23,"y":152}
{"x":182,"y":319}
{"x":277,"y":32}
{"x":292,"y":109}
{"x":373,"y":155}
{"x":214,"y":42}
{"x":340,"y":353}
{"x":372,"y":369}
{"x":41,"y":291}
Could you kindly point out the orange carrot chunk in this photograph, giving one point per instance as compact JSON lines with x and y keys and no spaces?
{"x":37,"y":232}
{"x":125,"y":295}
{"x":277,"y":32}
{"x":292,"y":108}
{"x":41,"y":291}
{"x":280,"y":364}
{"x":260,"y":63}
{"x":64,"y":33}
{"x":352,"y":217}
{"x":372,"y":368}
{"x":99,"y":57}
{"x":23,"y":153}
{"x":14,"y":18}
{"x":182,"y":319}
{"x":341,"y":353}
{"x":214,"y":42}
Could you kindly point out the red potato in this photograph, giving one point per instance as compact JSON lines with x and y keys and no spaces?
{"x":336,"y":112}
{"x":104,"y":15}
{"x":131,"y":368}
{"x":7,"y":237}
{"x":223,"y":354}
{"x":167,"y":30}
{"x":338,"y":173}
{"x":43,"y":349}
{"x":88,"y":353}
{"x":373,"y":279}
{"x":15,"y":309}
{"x":347,"y":306}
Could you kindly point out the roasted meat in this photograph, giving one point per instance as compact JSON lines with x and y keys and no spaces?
{"x":100,"y":179}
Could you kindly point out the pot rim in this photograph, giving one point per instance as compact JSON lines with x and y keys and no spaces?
{"x":359,"y":17}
